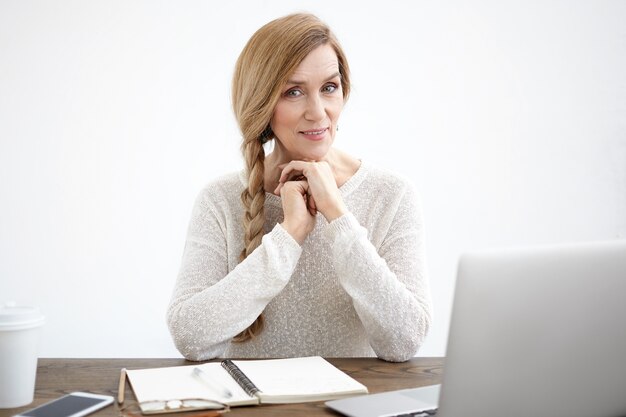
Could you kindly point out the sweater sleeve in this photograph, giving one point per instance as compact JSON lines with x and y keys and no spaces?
{"x":210,"y":304}
{"x":388,"y":287}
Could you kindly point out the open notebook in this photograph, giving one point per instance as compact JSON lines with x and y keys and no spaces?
{"x":248,"y":382}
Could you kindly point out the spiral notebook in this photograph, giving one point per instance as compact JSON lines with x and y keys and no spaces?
{"x":247,"y":382}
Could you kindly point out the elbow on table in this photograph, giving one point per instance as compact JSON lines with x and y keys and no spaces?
{"x":194,"y":355}
{"x":188,"y":342}
{"x":409,"y":341}
{"x":194,"y":349}
{"x":402,"y":352}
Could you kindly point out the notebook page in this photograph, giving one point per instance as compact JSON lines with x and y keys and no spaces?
{"x":298,"y":377}
{"x":178,"y":382}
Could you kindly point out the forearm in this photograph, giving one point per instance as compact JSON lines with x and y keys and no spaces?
{"x":390,"y":295}
{"x":206,"y":312}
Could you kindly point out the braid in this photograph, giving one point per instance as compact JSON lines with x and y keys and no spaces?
{"x":253,"y":198}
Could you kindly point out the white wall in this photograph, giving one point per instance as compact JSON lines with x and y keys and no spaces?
{"x":509,"y":116}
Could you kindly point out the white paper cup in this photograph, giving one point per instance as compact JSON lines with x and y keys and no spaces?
{"x":19,"y":347}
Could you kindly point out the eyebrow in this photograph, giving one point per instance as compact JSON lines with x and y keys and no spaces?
{"x":298,"y":82}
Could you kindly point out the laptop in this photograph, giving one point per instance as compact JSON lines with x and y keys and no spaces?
{"x":534,"y":331}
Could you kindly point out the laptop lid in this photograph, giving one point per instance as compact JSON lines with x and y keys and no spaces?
{"x":538,"y":331}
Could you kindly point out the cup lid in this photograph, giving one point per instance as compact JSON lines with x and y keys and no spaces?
{"x":14,"y":317}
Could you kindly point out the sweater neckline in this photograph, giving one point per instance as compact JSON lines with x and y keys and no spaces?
{"x":346,"y":188}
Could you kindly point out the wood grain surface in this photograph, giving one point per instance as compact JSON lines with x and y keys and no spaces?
{"x":57,"y":377}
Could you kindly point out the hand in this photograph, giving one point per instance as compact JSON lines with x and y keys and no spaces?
{"x":299,"y":215}
{"x":322,"y":186}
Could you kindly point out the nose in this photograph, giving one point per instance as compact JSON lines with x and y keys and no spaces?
{"x":315,"y":109}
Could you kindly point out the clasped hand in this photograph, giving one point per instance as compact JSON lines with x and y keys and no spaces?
{"x":306,"y":188}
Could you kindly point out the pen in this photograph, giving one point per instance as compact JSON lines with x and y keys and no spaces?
{"x":204,"y":377}
{"x":120,"y":388}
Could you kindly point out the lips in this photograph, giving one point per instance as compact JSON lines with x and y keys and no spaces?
{"x":315,"y":135}
{"x":314,"y":132}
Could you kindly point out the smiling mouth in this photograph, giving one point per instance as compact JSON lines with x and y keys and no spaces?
{"x":314,"y":132}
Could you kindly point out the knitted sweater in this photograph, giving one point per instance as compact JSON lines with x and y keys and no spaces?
{"x":356,"y":287}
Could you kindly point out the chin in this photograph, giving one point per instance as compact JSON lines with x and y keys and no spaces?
{"x":314,"y":156}
{"x":317,"y":153}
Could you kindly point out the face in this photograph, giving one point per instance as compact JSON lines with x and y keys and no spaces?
{"x":305,"y":118}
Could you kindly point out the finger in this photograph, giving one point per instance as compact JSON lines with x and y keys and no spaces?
{"x":284,"y":173}
{"x":288,"y":170}
{"x":311,"y":206}
{"x":280,"y":187}
{"x":300,"y":187}
{"x":291,"y":176}
{"x":311,"y":202}
{"x":304,"y":184}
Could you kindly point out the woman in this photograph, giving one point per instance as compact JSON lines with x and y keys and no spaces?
{"x":328,"y":259}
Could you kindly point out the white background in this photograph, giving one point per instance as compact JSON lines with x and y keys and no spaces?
{"x":508,"y":116}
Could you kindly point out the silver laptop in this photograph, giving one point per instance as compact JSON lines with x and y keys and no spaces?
{"x":534,"y":331}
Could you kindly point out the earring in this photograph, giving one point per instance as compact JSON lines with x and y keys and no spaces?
{"x":337,"y":128}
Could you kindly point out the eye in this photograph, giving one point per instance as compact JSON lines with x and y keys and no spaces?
{"x":294,"y":92}
{"x":329,"y":88}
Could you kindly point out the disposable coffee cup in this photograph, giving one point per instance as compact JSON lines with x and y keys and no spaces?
{"x":20,"y":328}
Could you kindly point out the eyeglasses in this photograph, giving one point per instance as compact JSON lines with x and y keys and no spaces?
{"x":174,"y":406}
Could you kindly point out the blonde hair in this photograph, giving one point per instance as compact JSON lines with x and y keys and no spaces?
{"x":268,"y":59}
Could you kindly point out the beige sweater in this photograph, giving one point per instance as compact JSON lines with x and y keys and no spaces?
{"x":356,"y":286}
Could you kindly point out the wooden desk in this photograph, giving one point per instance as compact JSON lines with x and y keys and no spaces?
{"x":56,"y":377}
